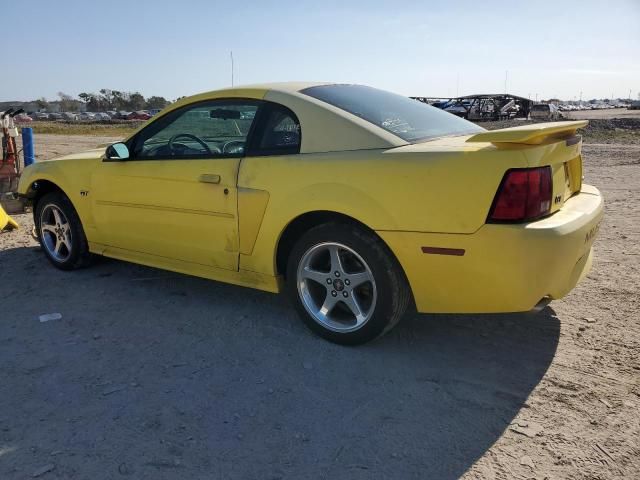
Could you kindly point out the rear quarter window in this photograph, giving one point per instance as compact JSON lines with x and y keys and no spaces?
{"x":409,"y":119}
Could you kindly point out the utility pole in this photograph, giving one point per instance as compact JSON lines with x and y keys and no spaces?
{"x":232,"y":68}
{"x":536,"y":98}
{"x":506,"y":74}
{"x":580,"y":96}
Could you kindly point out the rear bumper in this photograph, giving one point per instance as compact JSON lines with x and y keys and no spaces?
{"x":504,"y":268}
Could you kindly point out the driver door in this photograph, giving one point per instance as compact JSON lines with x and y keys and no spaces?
{"x":176,"y":196}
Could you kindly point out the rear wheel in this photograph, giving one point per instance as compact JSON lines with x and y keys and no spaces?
{"x":60,"y":232}
{"x":346,"y":284}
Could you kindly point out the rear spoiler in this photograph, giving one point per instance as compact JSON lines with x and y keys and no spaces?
{"x":533,"y":134}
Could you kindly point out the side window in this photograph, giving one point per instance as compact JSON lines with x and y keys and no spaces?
{"x":217,"y":128}
{"x":279,"y":132}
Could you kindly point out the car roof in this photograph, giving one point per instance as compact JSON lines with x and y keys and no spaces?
{"x":284,"y":87}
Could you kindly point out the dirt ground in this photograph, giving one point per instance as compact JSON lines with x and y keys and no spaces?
{"x":155,"y":375}
{"x":604,"y":113}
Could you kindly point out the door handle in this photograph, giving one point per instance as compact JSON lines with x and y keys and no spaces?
{"x":209,"y":178}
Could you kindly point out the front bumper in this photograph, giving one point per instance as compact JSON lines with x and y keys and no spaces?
{"x":505,"y":268}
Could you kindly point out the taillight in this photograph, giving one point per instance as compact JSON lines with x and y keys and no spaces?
{"x":524,"y":194}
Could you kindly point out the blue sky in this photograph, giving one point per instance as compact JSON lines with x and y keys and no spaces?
{"x":441,"y":48}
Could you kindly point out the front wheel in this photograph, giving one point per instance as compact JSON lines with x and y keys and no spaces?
{"x":60,"y":232}
{"x":346,"y":284}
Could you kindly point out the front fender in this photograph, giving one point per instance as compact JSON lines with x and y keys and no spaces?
{"x":48,"y":171}
{"x":72,"y":177}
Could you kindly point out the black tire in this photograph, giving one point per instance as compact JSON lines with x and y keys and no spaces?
{"x":393,"y":293}
{"x":78,"y":255}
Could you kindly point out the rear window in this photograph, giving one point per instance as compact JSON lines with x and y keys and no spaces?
{"x":409,"y":119}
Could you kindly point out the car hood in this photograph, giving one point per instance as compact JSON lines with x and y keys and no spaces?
{"x":94,"y":154}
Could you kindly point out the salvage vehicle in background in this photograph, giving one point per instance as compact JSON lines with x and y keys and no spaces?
{"x":545,"y":111}
{"x":358,"y":203}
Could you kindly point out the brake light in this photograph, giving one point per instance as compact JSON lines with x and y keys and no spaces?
{"x":524,"y":194}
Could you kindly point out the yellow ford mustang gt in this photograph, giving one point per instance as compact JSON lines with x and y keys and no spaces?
{"x":356,"y":201}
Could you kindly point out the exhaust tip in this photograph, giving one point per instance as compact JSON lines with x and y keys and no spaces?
{"x":544,"y":301}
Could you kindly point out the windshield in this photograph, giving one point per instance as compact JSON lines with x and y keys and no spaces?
{"x":409,"y":119}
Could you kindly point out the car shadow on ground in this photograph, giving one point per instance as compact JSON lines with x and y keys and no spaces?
{"x":152,"y":374}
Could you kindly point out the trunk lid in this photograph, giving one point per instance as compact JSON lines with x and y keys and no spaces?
{"x":553,"y":144}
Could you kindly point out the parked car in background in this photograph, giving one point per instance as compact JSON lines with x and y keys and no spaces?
{"x":112,"y":113}
{"x":545,"y":111}
{"x":102,"y":116}
{"x":69,"y":116}
{"x":154,"y":111}
{"x":139,"y":115}
{"x":278,"y":187}
{"x":55,"y":116}
{"x":635,"y":105}
{"x":40,"y":116}
{"x":123,"y":115}
{"x":86,"y":116}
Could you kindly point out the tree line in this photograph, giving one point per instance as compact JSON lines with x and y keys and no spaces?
{"x":106,"y":99}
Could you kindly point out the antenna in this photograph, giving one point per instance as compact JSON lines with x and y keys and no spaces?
{"x":231,"y":68}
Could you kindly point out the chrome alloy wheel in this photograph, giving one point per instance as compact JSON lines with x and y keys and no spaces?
{"x":56,"y":233}
{"x":336,"y":287}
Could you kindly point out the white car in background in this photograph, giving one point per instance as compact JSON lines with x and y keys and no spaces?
{"x":69,"y":116}
{"x":86,"y":116}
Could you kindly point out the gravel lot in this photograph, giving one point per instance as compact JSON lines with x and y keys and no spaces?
{"x":604,"y":113}
{"x":155,"y":375}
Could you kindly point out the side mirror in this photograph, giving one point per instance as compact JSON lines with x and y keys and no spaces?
{"x":117,"y":151}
